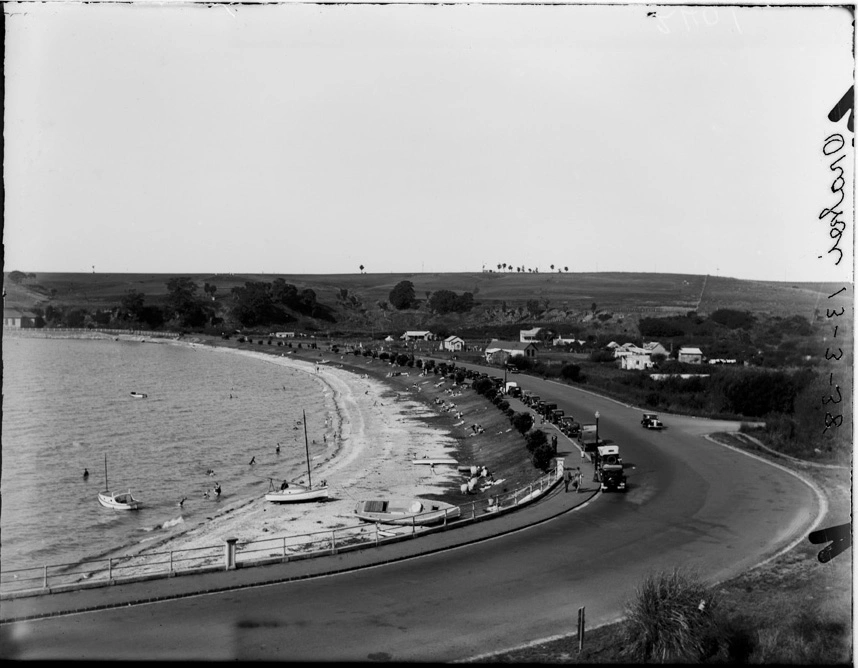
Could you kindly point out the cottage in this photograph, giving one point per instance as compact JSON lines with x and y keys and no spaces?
{"x":690,"y":355}
{"x":417,"y":336}
{"x":499,"y":350}
{"x":655,"y":348}
{"x":529,"y":335}
{"x":284,"y":335}
{"x":637,"y":362}
{"x":453,"y":344}
{"x":629,"y":349}
{"x":18,"y":319}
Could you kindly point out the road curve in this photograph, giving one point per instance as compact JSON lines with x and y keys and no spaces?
{"x":690,"y":503}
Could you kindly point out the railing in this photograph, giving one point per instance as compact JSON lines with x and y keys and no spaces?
{"x":128,"y":568}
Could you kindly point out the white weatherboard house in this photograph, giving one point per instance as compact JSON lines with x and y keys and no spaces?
{"x":690,"y":355}
{"x":417,"y":336}
{"x":509,"y":349}
{"x":529,"y":335}
{"x":637,"y":362}
{"x":454,"y":343}
{"x":285,"y":335}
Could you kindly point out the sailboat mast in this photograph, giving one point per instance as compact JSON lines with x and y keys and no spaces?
{"x":307,"y":448}
{"x":106,"y":486}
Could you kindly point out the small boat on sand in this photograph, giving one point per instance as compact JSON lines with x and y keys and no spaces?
{"x":296,"y":493}
{"x":139,"y":395}
{"x":405,"y":511}
{"x":117,"y":501}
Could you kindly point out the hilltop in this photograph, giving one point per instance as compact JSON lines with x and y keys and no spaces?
{"x":360,"y":302}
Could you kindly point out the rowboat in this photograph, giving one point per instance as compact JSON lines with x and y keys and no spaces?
{"x":139,"y":395}
{"x":409,"y":512}
{"x":118,"y":501}
{"x":432,"y":462}
{"x":296,"y":493}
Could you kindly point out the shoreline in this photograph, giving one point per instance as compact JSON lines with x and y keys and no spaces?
{"x":376,"y":436}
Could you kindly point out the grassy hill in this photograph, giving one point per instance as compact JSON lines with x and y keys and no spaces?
{"x":500,"y":298}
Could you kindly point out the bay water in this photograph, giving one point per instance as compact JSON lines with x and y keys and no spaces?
{"x":67,"y":403}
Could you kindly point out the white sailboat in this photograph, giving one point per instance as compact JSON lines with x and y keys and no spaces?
{"x":294,"y":493}
{"x":118,"y":501}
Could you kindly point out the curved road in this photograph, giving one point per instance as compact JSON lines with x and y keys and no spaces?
{"x":690,"y":503}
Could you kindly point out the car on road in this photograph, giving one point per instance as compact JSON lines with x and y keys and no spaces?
{"x":651,"y":421}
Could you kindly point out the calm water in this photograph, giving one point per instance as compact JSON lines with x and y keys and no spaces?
{"x":67,"y":402}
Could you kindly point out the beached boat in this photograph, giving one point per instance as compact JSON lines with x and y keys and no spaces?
{"x":139,"y":395}
{"x":296,"y":493}
{"x":118,"y":501}
{"x":413,"y":511}
{"x":448,"y":461}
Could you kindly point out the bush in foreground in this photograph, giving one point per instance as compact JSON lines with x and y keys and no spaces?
{"x":674,"y":617}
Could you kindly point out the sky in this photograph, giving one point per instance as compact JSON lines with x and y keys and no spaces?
{"x":313,"y":139}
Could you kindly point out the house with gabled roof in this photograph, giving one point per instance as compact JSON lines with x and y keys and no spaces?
{"x":690,"y":355}
{"x":453,"y":344}
{"x":19,"y":318}
{"x":529,"y":335}
{"x":655,"y":348}
{"x":503,"y":349}
{"x":417,"y":336}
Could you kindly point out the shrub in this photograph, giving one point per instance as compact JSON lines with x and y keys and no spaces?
{"x":542,"y":456}
{"x":534,"y":439}
{"x":483,"y":386}
{"x":570,"y":372}
{"x":602,"y":356}
{"x":522,"y":422}
{"x":674,"y":617}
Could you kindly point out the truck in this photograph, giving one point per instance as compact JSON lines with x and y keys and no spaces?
{"x":609,"y":468}
{"x":511,"y":388}
{"x":587,"y":437}
{"x":547,"y":407}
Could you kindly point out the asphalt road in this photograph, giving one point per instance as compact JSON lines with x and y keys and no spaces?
{"x":690,"y":503}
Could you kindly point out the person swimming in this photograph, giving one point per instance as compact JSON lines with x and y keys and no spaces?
{"x":85,"y":474}
{"x":253,"y":460}
{"x":278,"y":449}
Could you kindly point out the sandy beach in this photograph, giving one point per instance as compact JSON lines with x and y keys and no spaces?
{"x":377,"y":435}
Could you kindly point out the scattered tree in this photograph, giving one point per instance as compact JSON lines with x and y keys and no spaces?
{"x":402,"y":295}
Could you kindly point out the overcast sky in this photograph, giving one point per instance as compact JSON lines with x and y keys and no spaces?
{"x":314,"y":139}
